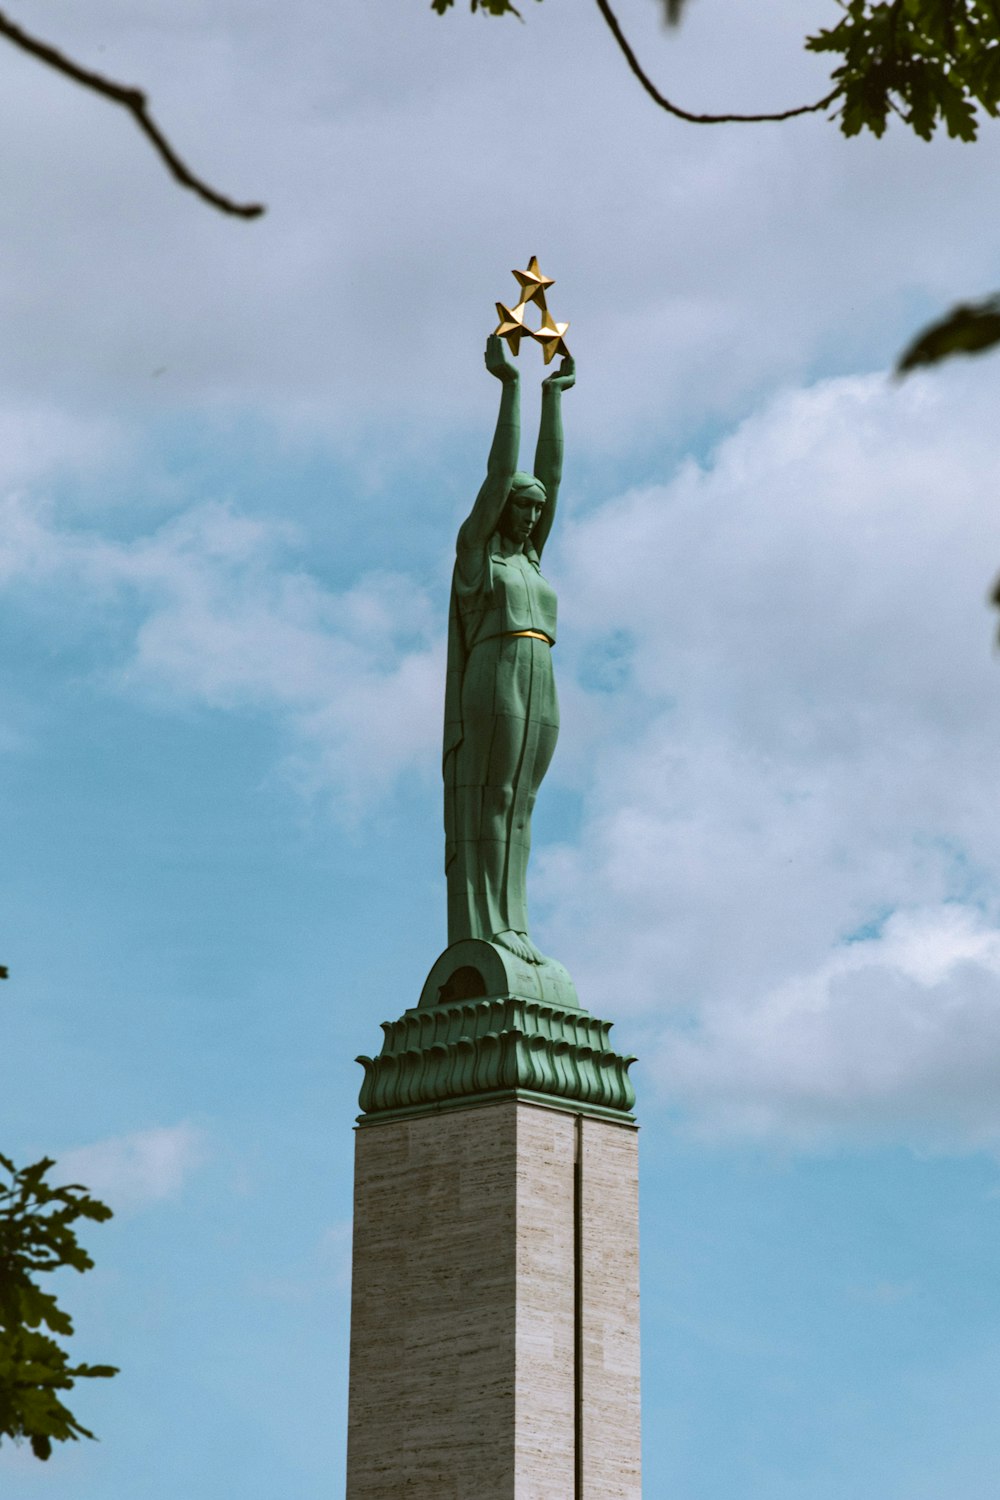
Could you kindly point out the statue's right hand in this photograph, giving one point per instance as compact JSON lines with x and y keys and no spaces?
{"x":496,"y":360}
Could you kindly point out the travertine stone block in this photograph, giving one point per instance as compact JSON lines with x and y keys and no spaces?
{"x":609,"y":1215}
{"x":470,"y":1227}
{"x":544,"y":1447}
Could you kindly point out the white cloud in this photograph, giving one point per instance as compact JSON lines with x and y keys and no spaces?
{"x":780,"y":712}
{"x":696,"y":266}
{"x":145,"y":1166}
{"x":220,"y":613}
{"x":882,"y":1293}
{"x":788,"y":750}
{"x":898,"y":1034}
{"x":797,"y":750}
{"x":44,"y":439}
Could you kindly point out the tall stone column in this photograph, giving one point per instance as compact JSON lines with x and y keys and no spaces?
{"x":495,"y":1299}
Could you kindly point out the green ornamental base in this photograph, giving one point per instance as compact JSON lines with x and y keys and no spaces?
{"x":490,"y":1026}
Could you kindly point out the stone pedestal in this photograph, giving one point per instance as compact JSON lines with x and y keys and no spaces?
{"x":494,"y":1311}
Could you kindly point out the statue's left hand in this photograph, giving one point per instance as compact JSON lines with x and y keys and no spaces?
{"x":497,"y":362}
{"x":563,"y":378}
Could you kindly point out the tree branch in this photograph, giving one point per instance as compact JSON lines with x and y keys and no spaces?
{"x":134,"y":100}
{"x":683,"y":114}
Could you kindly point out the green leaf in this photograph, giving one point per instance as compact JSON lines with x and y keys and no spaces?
{"x":929,"y":62}
{"x":968,"y":328}
{"x":36,"y":1236}
{"x":40,"y":1307}
{"x":30,"y":1178}
{"x":488,"y":7}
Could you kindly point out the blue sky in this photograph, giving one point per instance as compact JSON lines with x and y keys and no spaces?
{"x":232,"y":462}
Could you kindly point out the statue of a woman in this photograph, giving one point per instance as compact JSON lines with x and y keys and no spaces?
{"x":501,"y":710}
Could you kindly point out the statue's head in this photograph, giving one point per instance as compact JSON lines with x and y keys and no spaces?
{"x":525,"y":503}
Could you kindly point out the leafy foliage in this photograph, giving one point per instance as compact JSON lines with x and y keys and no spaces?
{"x":672,"y":9}
{"x":488,"y":7}
{"x":928,"y":61}
{"x":968,"y":329}
{"x":36,"y":1236}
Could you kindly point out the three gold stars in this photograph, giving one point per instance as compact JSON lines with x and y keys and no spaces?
{"x":512,"y":326}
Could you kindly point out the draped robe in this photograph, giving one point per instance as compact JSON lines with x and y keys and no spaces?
{"x":501,"y":725}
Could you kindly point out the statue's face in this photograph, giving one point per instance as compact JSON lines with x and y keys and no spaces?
{"x":521,"y":514}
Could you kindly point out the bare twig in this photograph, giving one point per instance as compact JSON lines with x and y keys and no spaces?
{"x":684,"y":114}
{"x":134,"y":100}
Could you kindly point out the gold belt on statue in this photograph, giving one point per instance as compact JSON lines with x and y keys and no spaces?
{"x":536,"y":635}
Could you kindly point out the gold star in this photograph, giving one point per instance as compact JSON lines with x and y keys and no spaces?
{"x":511,"y":326}
{"x":550,"y":336}
{"x":532,"y":284}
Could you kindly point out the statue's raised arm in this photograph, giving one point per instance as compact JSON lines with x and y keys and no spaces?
{"x":502,"y":463}
{"x":549,"y":450}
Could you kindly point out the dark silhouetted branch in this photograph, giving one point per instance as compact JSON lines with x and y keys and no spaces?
{"x":684,"y":114}
{"x":134,"y":100}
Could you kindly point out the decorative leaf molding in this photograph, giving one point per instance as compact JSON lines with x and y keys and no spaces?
{"x":496,"y":1045}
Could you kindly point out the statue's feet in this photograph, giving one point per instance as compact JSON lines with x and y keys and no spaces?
{"x":537,"y":956}
{"x":519,"y":944}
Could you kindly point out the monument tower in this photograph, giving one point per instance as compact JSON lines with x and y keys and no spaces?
{"x":495,"y":1299}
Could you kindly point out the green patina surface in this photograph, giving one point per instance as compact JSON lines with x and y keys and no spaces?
{"x":496,"y":1018}
{"x":501,"y":708}
{"x":462,"y":1043}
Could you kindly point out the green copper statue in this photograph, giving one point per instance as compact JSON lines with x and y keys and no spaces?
{"x":501,"y":710}
{"x":496,"y":1019}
